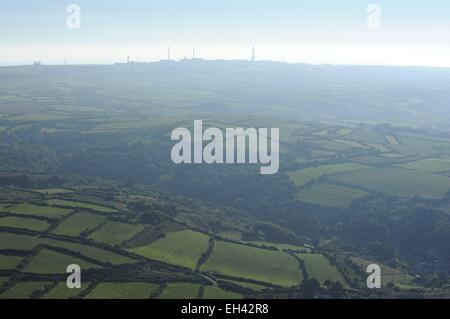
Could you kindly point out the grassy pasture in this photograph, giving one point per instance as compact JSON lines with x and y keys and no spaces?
{"x":307,"y":175}
{"x":391,"y":139}
{"x":129,"y":290}
{"x":330,"y":195}
{"x":115,"y":233}
{"x":90,"y":251}
{"x":15,"y":241}
{"x":218,"y":293}
{"x":247,"y":285}
{"x":429,"y":165}
{"x":76,"y":224}
{"x":180,"y":291}
{"x":9,"y":262}
{"x":36,"y":210}
{"x":397,"y":181}
{"x":60,"y":202}
{"x":23,"y":290}
{"x":365,"y":135}
{"x":240,"y":261}
{"x":319,"y":268}
{"x":60,"y":291}
{"x":24,"y":223}
{"x":182,"y":248}
{"x":51,"y":262}
{"x":332,"y":146}
{"x":24,"y":242}
{"x":53,"y":191}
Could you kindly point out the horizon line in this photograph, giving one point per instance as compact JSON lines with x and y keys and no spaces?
{"x":199,"y":60}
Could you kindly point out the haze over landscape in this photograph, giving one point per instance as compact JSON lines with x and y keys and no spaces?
{"x":358,"y":92}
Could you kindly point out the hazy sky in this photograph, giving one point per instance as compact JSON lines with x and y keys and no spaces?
{"x":408,"y":33}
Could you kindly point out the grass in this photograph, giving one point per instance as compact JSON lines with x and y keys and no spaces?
{"x":9,"y":262}
{"x":24,"y":242}
{"x":3,"y":280}
{"x":53,"y":191}
{"x":218,"y":293}
{"x":180,"y":291}
{"x":138,"y":290}
{"x":307,"y":175}
{"x":60,"y":291}
{"x":181,"y":248}
{"x":115,"y":233}
{"x":15,"y":241}
{"x":78,"y":223}
{"x":331,"y":195}
{"x":391,"y":140}
{"x":429,"y":165}
{"x":51,"y":262}
{"x":23,"y":290}
{"x":60,"y":202}
{"x":90,"y":251}
{"x":240,"y":261}
{"x":37,"y":210}
{"x":331,"y":146}
{"x":24,"y":223}
{"x":319,"y":268}
{"x":248,"y":285}
{"x":397,"y":181}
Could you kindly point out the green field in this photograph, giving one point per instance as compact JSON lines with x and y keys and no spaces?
{"x":319,"y":268}
{"x":90,"y":251}
{"x":391,"y":140}
{"x":25,"y":223}
{"x":3,"y":280}
{"x":397,"y":181}
{"x":9,"y":262}
{"x":429,"y":165}
{"x":115,"y":233}
{"x":78,"y":223}
{"x":60,"y":202}
{"x":36,"y":210}
{"x":23,"y":290}
{"x":53,"y":191}
{"x":240,"y":261}
{"x":182,"y":248}
{"x":51,"y":262}
{"x":24,"y":242}
{"x":129,"y":290}
{"x":15,"y":241}
{"x":247,"y":285}
{"x":307,"y":175}
{"x":332,"y":146}
{"x":331,"y":195}
{"x":180,"y":291}
{"x":60,"y":291}
{"x":218,"y":293}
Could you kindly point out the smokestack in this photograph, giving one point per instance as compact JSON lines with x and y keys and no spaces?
{"x":253,"y":54}
{"x":168,"y":53}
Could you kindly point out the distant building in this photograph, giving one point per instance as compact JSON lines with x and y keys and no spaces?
{"x":37,"y":63}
